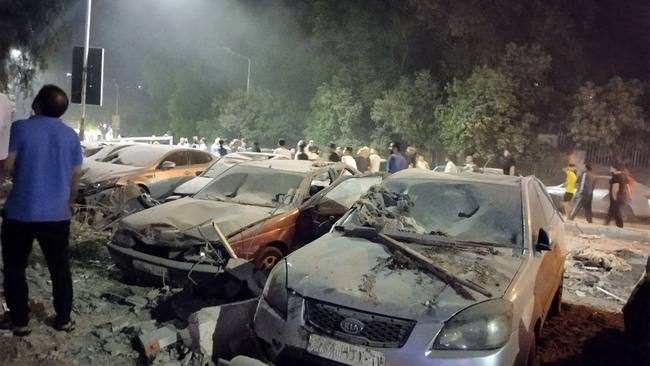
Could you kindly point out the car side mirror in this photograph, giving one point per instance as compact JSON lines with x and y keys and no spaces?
{"x":544,"y":242}
{"x":167,"y":165}
{"x":198,"y":173}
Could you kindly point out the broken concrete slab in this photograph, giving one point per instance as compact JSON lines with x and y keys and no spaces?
{"x":137,"y":301}
{"x":221,"y":331}
{"x":120,"y":323}
{"x":157,"y":340}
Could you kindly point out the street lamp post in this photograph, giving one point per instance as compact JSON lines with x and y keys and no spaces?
{"x":248,"y":77}
{"x":84,"y":74}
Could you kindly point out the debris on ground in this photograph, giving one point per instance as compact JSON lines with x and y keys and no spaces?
{"x":590,"y":257}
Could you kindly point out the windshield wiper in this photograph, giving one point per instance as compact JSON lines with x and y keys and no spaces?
{"x":458,"y":284}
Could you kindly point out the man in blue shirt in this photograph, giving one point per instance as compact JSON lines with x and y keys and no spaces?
{"x":45,"y":163}
{"x":396,"y":161}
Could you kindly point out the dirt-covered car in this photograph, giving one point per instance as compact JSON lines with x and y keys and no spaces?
{"x":426,"y":269}
{"x":265,"y":209}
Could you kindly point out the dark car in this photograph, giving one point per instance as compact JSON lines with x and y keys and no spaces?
{"x":266,"y":209}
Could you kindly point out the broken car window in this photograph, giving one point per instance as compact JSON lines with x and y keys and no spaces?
{"x":254,"y":186}
{"x":463,"y":211}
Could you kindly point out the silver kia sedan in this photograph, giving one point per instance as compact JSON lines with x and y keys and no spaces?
{"x":425,"y":269}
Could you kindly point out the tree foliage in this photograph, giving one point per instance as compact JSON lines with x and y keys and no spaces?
{"x":406,"y":113}
{"x":32,"y":27}
{"x":604,"y":114}
{"x":482,"y":115}
{"x":261,"y":117}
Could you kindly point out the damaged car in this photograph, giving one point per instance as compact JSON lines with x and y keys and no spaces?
{"x":258,"y":211}
{"x":425,"y":269}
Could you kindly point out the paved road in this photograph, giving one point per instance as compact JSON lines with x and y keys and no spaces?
{"x":644,"y":225}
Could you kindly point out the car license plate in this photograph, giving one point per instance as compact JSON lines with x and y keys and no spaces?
{"x":150,"y":268}
{"x":345,"y":353}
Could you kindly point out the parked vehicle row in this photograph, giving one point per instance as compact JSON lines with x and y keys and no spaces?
{"x":418,"y":268}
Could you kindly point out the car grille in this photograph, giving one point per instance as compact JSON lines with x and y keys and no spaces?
{"x":378,"y":331}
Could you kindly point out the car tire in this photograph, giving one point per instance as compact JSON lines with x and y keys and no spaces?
{"x":556,"y":305}
{"x":267,"y":257}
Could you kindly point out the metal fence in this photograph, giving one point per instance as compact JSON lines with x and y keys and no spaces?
{"x":633,"y":156}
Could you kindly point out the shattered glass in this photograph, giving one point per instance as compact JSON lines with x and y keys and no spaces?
{"x":461,"y":211}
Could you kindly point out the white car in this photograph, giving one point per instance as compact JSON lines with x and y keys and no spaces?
{"x":638,"y":208}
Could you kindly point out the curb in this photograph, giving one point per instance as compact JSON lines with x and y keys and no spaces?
{"x":611,"y":232}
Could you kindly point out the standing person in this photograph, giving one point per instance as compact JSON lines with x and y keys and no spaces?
{"x":619,"y":195}
{"x":375,"y":161}
{"x":411,"y":156}
{"x":195,"y":142}
{"x":347,"y":157}
{"x":450,"y":167}
{"x":312,"y":153}
{"x":221,"y":150}
{"x":420,"y":163}
{"x":396,"y":161}
{"x":202,"y":145}
{"x":585,"y":194}
{"x":469,"y":164}
{"x":282,"y":149}
{"x":5,"y":126}
{"x":362,"y":159}
{"x":45,"y":162}
{"x":256,"y":147}
{"x":333,"y":156}
{"x":301,"y":154}
{"x":569,"y":186}
{"x":508,"y":163}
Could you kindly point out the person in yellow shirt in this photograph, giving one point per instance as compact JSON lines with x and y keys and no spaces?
{"x":569,"y":185}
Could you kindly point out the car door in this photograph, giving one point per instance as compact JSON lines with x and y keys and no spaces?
{"x":545,"y":217}
{"x":327,"y":206}
{"x":199,"y":161}
{"x":181,"y":168}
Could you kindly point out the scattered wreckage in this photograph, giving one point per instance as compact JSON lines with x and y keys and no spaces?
{"x":427,"y":268}
{"x":255,"y":211}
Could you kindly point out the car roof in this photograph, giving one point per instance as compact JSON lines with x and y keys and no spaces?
{"x":299,"y":166}
{"x":415,"y":173}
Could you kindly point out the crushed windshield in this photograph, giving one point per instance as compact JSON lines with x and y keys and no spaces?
{"x":460,"y":211}
{"x":254,"y":186}
{"x":215,"y":169}
{"x":139,"y":156}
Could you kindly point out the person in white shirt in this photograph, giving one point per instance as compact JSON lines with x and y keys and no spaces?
{"x":6,"y":110}
{"x":375,"y":161}
{"x":282,"y":149}
{"x":450,"y":167}
{"x":348,"y":158}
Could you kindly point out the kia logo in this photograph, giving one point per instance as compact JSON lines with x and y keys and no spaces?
{"x":352,"y":326}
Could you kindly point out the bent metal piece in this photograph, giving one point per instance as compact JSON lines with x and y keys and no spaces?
{"x":451,"y":280}
{"x":224,"y":241}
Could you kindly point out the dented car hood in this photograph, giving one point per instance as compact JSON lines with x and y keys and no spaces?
{"x":360,"y":274}
{"x":170,"y":223}
{"x":96,"y":171}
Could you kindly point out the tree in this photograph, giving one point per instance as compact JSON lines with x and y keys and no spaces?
{"x":603,"y":115}
{"x":482,"y":116}
{"x":189,"y":102}
{"x":335,"y":114}
{"x":262,"y":117}
{"x":406,"y":113}
{"x":34,"y":28}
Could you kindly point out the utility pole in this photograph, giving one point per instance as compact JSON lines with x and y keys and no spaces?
{"x":248,"y":77}
{"x":84,"y":74}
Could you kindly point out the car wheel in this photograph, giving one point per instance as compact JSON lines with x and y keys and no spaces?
{"x":267,"y":258}
{"x":556,"y":305}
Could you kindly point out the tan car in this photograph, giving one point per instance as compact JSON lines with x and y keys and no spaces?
{"x":143,"y":165}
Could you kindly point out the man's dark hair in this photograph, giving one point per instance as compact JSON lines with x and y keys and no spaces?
{"x":395,"y":145}
{"x":50,"y":101}
{"x":588,"y":166}
{"x":256,"y":143}
{"x":349,"y":149}
{"x":281,"y":142}
{"x":571,"y":165}
{"x":333,"y":146}
{"x":220,"y":142}
{"x":302,"y":145}
{"x":618,"y":166}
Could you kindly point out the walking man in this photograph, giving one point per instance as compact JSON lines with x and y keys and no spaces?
{"x":508,"y":163}
{"x":569,"y":186}
{"x":396,"y":161}
{"x":585,"y":194}
{"x":282,"y":149}
{"x":619,"y":195}
{"x":45,"y":162}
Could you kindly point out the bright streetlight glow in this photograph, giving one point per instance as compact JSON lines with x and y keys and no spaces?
{"x":15,"y":53}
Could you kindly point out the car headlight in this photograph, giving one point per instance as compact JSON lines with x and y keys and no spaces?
{"x":105,"y":184}
{"x":275,"y":290}
{"x":484,"y":326}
